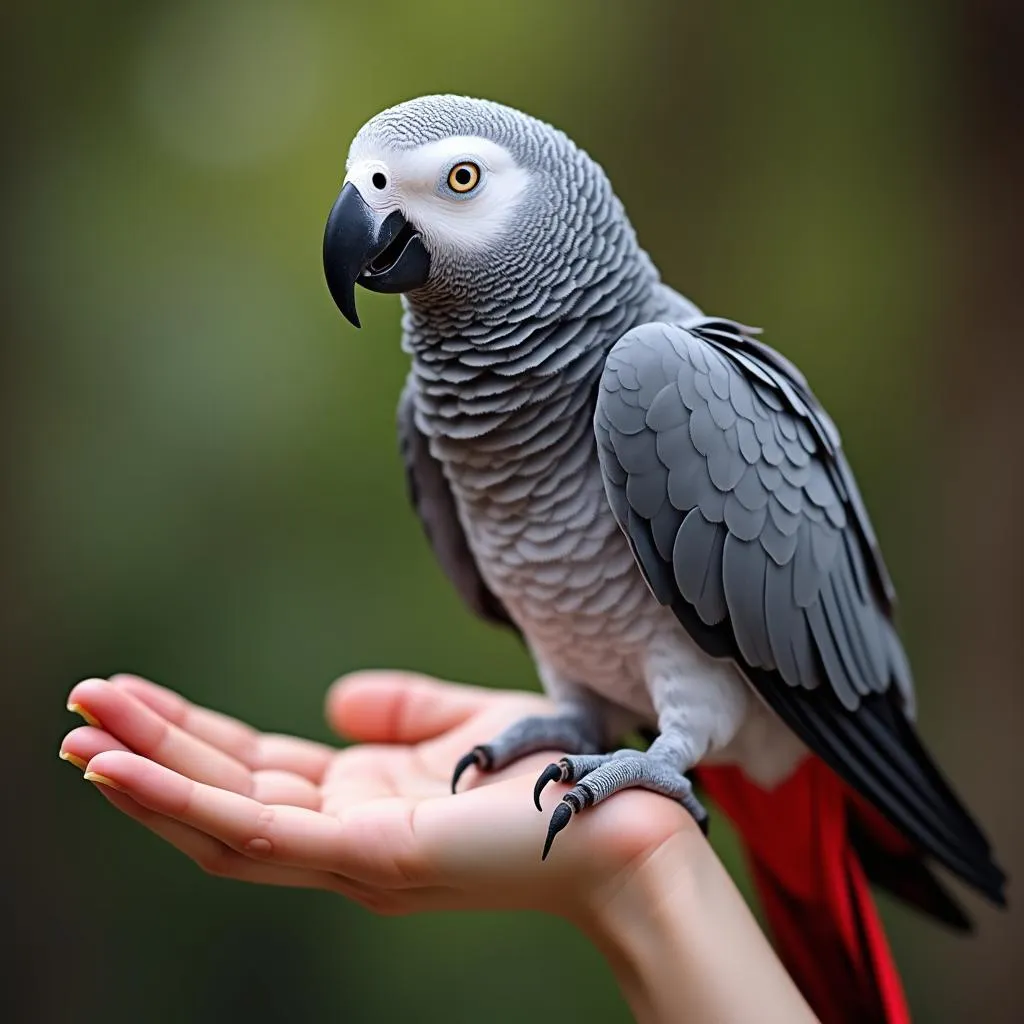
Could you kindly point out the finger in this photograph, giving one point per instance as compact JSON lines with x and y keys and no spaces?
{"x":284,"y":835}
{"x":215,"y":858}
{"x":81,"y":745}
{"x":401,"y":707}
{"x":251,"y":747}
{"x":141,"y":729}
{"x":219,"y":730}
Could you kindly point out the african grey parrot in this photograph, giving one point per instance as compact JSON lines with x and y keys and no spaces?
{"x":656,"y":502}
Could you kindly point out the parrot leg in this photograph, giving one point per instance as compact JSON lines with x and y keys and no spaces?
{"x":577,"y":726}
{"x":700,"y":705}
{"x":598,"y":776}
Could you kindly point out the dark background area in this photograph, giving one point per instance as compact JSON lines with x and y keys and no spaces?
{"x":203,"y":485}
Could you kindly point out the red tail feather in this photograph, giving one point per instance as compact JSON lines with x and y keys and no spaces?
{"x":814,"y":891}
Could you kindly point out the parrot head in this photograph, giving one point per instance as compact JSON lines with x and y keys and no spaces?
{"x":455,"y":201}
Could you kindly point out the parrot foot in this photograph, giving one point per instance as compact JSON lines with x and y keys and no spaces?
{"x":598,"y":776}
{"x":575,"y":727}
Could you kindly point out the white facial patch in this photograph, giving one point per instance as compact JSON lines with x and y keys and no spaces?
{"x":414,"y":181}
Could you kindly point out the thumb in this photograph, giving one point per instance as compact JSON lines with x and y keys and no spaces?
{"x":401,"y":707}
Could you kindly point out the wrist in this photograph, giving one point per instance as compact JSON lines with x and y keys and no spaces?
{"x":643,"y":919}
{"x":682,"y":942}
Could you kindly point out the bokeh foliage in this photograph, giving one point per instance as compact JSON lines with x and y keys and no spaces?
{"x":205,"y":487}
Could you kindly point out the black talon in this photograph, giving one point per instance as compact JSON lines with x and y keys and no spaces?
{"x":563,"y":812}
{"x":464,"y":762}
{"x":478,"y":756}
{"x":553,"y":773}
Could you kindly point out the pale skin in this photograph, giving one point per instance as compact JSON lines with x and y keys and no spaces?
{"x":377,"y":823}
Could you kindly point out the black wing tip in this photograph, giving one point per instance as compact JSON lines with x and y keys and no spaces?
{"x":995,"y":887}
{"x":989,"y":881}
{"x":983,"y":872}
{"x":957,"y":920}
{"x":866,"y":748}
{"x":984,"y":876}
{"x":946,"y":910}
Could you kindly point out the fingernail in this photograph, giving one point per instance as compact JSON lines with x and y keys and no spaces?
{"x":77,"y":709}
{"x":74,"y":759}
{"x":102,"y":780}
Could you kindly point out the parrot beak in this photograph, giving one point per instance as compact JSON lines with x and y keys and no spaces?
{"x":383,"y":255}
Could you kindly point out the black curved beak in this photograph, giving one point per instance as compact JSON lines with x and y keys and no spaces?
{"x":382,"y":255}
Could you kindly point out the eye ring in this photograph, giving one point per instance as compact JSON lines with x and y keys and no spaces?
{"x":464,"y":177}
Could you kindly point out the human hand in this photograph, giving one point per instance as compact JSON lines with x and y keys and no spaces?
{"x":375,"y":822}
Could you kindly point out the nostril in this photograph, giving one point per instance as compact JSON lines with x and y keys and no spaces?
{"x":379,"y":180}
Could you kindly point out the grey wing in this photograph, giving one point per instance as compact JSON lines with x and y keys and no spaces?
{"x":729,"y":482}
{"x":432,"y":498}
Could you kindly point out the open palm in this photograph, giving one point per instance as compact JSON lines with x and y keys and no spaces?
{"x":375,"y":822}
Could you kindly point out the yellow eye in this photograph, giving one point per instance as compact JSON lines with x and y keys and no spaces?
{"x":463,"y":177}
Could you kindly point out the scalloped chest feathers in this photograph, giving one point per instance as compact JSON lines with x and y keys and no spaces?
{"x":550,"y":549}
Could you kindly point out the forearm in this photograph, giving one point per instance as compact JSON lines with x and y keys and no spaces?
{"x":685,"y":947}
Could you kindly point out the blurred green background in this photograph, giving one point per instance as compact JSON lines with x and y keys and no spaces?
{"x":204,"y":487}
